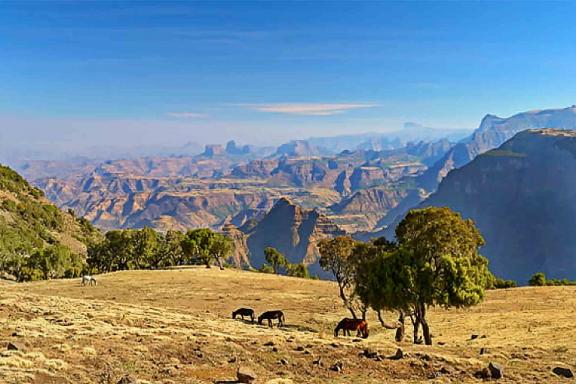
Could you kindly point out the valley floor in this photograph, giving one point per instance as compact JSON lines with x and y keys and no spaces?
{"x":175,"y":327}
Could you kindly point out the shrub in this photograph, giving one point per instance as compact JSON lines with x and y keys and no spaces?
{"x":266,"y":268}
{"x":537,"y":280}
{"x":297,"y":270}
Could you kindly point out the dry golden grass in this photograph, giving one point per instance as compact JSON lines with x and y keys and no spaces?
{"x":175,"y":327}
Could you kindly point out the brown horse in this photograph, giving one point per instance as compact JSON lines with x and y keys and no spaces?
{"x":347,"y":325}
{"x":271,"y":315}
{"x":244,"y":312}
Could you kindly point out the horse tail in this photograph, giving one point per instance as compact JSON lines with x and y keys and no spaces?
{"x":365,"y":330}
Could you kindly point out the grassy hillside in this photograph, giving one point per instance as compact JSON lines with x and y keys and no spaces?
{"x":29,"y":222}
{"x":175,"y":327}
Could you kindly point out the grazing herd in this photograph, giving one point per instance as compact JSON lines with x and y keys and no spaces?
{"x":345,"y":325}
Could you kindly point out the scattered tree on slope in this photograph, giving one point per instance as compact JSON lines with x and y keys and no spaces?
{"x":436,"y":263}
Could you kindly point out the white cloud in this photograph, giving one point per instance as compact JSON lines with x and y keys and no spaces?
{"x":309,"y":109}
{"x":186,"y":115}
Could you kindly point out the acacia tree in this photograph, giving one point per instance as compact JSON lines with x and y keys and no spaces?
{"x":221,"y":247}
{"x":206,"y":245}
{"x":171,"y":248}
{"x":275,"y":258}
{"x":336,"y":258}
{"x":146,"y":246}
{"x":437,"y":263}
{"x":367,"y":259}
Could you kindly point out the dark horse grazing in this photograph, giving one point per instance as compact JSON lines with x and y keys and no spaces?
{"x":271,"y":315}
{"x":347,"y":325}
{"x":244,"y":312}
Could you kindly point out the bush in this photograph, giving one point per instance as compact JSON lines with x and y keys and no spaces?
{"x":266,"y":268}
{"x":297,"y":270}
{"x":537,"y":280}
{"x":498,"y":283}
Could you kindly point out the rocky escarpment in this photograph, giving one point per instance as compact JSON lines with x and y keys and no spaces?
{"x":365,"y":208}
{"x":494,"y":131}
{"x":240,"y":256}
{"x":292,"y":230}
{"x":521,"y":196}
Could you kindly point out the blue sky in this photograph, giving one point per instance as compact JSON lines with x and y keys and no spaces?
{"x":144,"y":73}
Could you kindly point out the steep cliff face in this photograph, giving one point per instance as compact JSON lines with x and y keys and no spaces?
{"x":494,"y":131}
{"x":240,"y":257}
{"x":292,"y":230}
{"x":521,"y":196}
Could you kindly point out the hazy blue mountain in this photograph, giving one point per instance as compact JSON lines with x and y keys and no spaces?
{"x":521,"y":196}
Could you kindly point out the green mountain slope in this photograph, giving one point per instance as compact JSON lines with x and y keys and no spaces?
{"x":31,"y":225}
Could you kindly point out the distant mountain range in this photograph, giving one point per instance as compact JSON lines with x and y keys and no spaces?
{"x":493,"y":132}
{"x":411,"y":132}
{"x":522,"y":198}
{"x":513,"y":176}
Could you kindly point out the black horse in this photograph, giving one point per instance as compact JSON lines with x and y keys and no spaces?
{"x":244,"y":312}
{"x":271,"y":315}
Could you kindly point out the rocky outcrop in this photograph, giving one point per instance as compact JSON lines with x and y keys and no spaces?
{"x":240,"y":257}
{"x":292,"y":230}
{"x":212,"y":150}
{"x":234,"y":150}
{"x":521,"y":196}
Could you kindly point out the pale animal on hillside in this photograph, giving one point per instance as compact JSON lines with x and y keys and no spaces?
{"x":88,"y":280}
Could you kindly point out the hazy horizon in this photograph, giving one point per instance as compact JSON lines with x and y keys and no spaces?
{"x":84,"y":75}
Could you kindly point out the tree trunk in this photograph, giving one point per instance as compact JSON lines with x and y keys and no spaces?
{"x":346,"y":303}
{"x":425,"y":327}
{"x":401,"y":330}
{"x":219,"y":262}
{"x":416,"y":329}
{"x":384,"y":324}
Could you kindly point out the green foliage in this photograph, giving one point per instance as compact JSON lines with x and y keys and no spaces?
{"x":148,"y":249}
{"x":52,"y":262}
{"x":266,"y":268}
{"x":537,"y":280}
{"x":494,"y":282}
{"x":337,"y":257}
{"x":29,"y":231}
{"x":275,"y":259}
{"x":436,"y":262}
{"x":205,"y":245}
{"x":297,"y":270}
